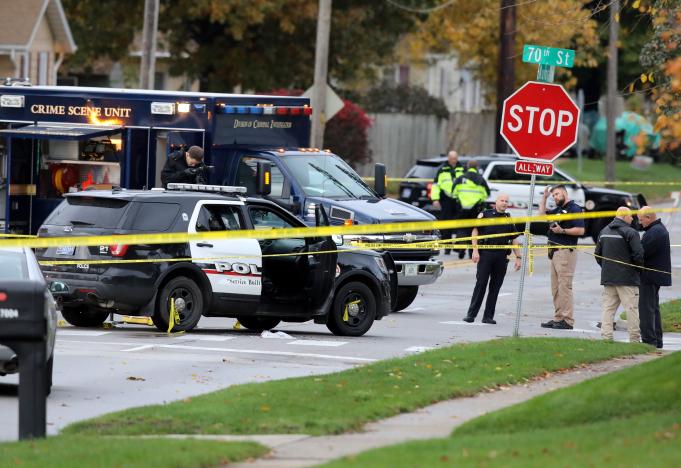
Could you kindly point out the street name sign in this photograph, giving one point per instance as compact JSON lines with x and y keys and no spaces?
{"x":543,"y":55}
{"x":539,"y":121}
{"x":532,"y":167}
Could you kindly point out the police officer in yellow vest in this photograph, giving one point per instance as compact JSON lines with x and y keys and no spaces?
{"x":471,"y":191}
{"x":442,"y":191}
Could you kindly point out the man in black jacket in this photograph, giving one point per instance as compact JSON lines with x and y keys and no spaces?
{"x":657,"y":263}
{"x":183,"y":167}
{"x":619,"y":253}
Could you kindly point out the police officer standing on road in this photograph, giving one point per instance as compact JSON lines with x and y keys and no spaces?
{"x":442,"y":192}
{"x":183,"y":167}
{"x":471,"y":191}
{"x":492,"y":263}
{"x":563,"y":260}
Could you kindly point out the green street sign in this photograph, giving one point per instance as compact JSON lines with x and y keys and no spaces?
{"x":548,"y":56}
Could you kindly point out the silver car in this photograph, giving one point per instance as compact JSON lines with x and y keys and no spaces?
{"x":18,"y":264}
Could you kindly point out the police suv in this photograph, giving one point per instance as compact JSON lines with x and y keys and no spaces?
{"x":259,"y":282}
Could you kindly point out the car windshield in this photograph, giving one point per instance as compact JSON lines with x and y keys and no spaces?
{"x":423,"y":171}
{"x":13,"y":265}
{"x":105,"y":213}
{"x":326,"y":175}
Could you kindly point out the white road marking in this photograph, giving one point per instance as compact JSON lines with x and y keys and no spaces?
{"x":137,"y":348}
{"x":330,"y":344}
{"x":413,"y":309}
{"x":228,"y":350}
{"x":418,"y":349}
{"x":460,"y":322}
{"x":505,"y":294}
{"x":61,"y":331}
{"x":205,"y":337}
{"x":582,"y":330}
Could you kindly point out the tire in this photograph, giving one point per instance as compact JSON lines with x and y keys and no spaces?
{"x":405,"y":296}
{"x":189,"y":302}
{"x":259,"y":323}
{"x":84,"y":317}
{"x":48,"y":375}
{"x":360,"y":303}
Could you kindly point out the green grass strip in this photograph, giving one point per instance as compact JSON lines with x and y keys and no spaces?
{"x":627,"y":418}
{"x":670,"y":313}
{"x":70,"y":451}
{"x":347,"y":400}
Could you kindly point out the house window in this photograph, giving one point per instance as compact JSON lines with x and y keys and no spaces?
{"x":159,"y":80}
{"x":43,"y":64}
{"x":404,"y":75}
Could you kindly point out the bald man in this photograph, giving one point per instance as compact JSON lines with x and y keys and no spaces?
{"x":657,"y":262}
{"x":619,"y":253}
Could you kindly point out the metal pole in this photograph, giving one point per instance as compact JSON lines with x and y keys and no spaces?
{"x":148,"y":59}
{"x":526,"y":252}
{"x":580,"y":143}
{"x":321,"y":66}
{"x":506,"y":76}
{"x":610,"y":155}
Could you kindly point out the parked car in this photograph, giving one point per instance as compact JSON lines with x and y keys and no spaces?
{"x":20,"y":265}
{"x":259,"y":282}
{"x":500,"y":168}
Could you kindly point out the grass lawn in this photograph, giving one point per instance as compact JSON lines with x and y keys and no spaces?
{"x":347,"y":400}
{"x":70,"y":451}
{"x":628,"y":418}
{"x":594,"y":170}
{"x":671,"y":316}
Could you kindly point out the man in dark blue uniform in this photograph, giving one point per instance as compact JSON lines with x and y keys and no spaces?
{"x":492,"y":263}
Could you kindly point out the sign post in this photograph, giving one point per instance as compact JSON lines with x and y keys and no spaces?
{"x":539,"y":122}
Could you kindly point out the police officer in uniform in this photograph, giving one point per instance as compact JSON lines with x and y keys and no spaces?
{"x":492,"y":262}
{"x":442,"y":191}
{"x":184,"y":167}
{"x":471,"y":191}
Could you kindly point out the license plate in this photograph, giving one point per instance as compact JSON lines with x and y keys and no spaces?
{"x":411,"y":270}
{"x":66,"y":250}
{"x":406,"y":192}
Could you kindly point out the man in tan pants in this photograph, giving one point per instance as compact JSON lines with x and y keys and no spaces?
{"x":564,"y":234}
{"x":619,"y":253}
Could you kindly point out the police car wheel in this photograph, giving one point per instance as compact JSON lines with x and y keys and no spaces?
{"x":259,"y":323}
{"x":353,"y":311}
{"x":405,"y":296}
{"x":84,"y":317}
{"x":188,"y":301}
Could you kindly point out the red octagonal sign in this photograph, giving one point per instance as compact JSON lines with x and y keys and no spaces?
{"x":539,"y":121}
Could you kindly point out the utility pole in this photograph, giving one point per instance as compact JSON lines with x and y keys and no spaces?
{"x":611,"y":100}
{"x":321,"y":68}
{"x":148,"y":59}
{"x":506,"y":69}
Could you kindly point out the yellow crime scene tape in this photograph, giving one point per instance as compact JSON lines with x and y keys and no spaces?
{"x":302,"y":232}
{"x":545,"y":182}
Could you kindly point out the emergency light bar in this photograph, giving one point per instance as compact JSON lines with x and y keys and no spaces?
{"x":206,"y":188}
{"x":267,"y":110}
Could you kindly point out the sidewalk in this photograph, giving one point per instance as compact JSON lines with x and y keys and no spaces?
{"x":434,"y":421}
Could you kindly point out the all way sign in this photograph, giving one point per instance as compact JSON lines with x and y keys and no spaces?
{"x":531,"y":167}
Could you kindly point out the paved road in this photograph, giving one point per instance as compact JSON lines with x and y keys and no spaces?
{"x":98,"y":371}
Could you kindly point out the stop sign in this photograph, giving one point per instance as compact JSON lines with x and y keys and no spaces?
{"x":540,"y":121}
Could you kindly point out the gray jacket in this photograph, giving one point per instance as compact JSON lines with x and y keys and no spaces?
{"x":620,"y":242}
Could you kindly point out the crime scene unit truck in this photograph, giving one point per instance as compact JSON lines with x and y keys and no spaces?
{"x":56,"y":140}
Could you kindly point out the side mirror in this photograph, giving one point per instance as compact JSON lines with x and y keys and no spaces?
{"x":380,"y":180}
{"x":321,"y":219}
{"x":263,"y":184}
{"x":58,"y":289}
